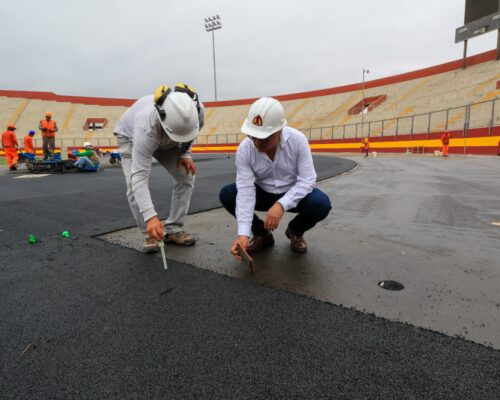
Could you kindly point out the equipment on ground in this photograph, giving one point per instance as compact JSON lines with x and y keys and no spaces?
{"x":55,"y":165}
{"x":115,"y":157}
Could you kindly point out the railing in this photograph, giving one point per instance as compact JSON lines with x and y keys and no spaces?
{"x":476,"y":115}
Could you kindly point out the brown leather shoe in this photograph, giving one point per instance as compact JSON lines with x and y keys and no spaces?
{"x":181,"y":238}
{"x":260,"y":242}
{"x":297,"y":243}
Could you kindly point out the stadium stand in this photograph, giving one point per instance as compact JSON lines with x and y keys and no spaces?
{"x":414,"y":106}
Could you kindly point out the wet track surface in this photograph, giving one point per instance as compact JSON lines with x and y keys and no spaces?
{"x":96,"y":320}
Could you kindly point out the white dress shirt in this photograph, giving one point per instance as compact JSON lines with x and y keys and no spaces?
{"x":292,"y":172}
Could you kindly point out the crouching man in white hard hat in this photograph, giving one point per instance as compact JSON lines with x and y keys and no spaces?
{"x":162,"y":126}
{"x":274,"y":173}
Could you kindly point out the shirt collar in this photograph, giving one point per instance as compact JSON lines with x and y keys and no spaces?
{"x":285,"y":135}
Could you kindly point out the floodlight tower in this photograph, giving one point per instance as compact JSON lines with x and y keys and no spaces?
{"x":211,"y":24}
{"x":365,"y":71}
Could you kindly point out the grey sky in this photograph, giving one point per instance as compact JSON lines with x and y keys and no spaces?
{"x":111,"y":48}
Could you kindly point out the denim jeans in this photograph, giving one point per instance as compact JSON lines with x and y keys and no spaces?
{"x":86,"y":164}
{"x":310,"y":210}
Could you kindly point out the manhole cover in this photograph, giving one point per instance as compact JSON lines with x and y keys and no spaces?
{"x":391,"y":285}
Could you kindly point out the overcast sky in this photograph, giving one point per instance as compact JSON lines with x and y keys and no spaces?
{"x":124,"y":48}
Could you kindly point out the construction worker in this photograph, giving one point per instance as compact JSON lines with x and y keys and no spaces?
{"x":162,"y":126}
{"x":29,"y":149}
{"x":88,"y":159}
{"x":49,"y":128}
{"x":365,"y":146}
{"x":274,"y":173}
{"x":445,"y":141}
{"x":10,"y":146}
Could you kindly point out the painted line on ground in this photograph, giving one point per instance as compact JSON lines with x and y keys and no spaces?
{"x":30,"y":176}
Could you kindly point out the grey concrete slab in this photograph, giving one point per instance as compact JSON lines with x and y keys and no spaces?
{"x":423,"y":221}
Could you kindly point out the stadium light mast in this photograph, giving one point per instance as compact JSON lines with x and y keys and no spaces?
{"x":365,"y":71}
{"x":211,"y":25}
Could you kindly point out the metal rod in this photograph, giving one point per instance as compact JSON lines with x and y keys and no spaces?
{"x":464,"y":62}
{"x":215,"y":75}
{"x":162,"y":248}
{"x":492,"y":119}
{"x":498,"y":44}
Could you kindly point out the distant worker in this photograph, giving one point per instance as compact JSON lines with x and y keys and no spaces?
{"x":365,"y":146}
{"x":162,"y":126}
{"x":49,"y":128}
{"x":445,"y":141}
{"x":29,"y":149}
{"x":274,"y":173}
{"x":10,"y":146}
{"x":88,"y":159}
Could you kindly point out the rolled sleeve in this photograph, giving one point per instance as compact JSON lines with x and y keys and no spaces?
{"x":245,"y":199}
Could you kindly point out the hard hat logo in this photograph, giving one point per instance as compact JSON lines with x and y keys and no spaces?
{"x":257,"y":121}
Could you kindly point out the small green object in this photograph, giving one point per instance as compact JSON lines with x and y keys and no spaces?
{"x":65,"y":234}
{"x":32,"y":239}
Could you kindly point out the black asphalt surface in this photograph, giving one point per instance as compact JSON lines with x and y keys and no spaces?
{"x":81,"y":318}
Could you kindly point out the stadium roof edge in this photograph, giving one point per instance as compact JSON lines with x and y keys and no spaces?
{"x":407,"y":76}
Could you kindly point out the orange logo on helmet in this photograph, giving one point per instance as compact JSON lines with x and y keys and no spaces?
{"x":257,"y":121}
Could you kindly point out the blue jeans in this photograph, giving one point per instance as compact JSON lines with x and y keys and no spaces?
{"x":310,"y":210}
{"x":86,"y":164}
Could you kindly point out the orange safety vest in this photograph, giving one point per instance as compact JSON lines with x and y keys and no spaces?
{"x":9,"y":140}
{"x":28,"y":144}
{"x":445,"y":139}
{"x":49,"y":128}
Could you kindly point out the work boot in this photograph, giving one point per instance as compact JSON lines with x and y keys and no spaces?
{"x":181,"y":238}
{"x":297,"y":243}
{"x":260,"y":242}
{"x":150,"y":246}
{"x":13,"y":168}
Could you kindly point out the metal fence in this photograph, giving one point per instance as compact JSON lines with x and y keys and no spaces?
{"x":476,"y":115}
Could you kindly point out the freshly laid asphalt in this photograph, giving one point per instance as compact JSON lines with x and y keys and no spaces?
{"x":82,"y":318}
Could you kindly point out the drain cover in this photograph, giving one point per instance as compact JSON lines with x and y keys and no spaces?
{"x":391,"y":285}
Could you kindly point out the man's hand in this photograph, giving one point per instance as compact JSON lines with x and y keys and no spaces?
{"x":155,"y":229}
{"x":188,"y":164}
{"x":243,"y":242}
{"x":273,"y":217}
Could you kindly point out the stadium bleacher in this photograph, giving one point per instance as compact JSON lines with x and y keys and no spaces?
{"x":424,"y":101}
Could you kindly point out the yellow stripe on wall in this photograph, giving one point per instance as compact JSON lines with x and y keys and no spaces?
{"x":487,"y":141}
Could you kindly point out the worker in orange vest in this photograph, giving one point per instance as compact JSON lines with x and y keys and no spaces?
{"x":445,"y":141}
{"x":29,"y":149}
{"x":365,"y":146}
{"x":10,"y":146}
{"x":49,"y":128}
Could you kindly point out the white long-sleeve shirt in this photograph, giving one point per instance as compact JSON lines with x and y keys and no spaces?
{"x":141,"y":124}
{"x":292,"y":172}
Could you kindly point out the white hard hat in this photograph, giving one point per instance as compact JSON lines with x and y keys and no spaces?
{"x":265,"y":117}
{"x":181,"y":121}
{"x":88,"y":144}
